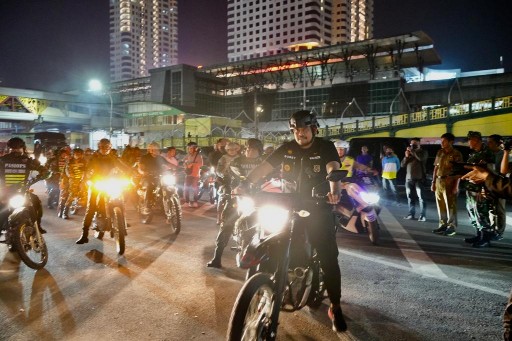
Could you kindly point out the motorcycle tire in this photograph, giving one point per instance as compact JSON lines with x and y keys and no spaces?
{"x":174,"y":217}
{"x":199,"y":193}
{"x":146,"y":218}
{"x":99,"y":235}
{"x":373,"y":231}
{"x":73,"y":209}
{"x":119,"y":227}
{"x":211,"y":194}
{"x":32,"y":251}
{"x":251,"y":315}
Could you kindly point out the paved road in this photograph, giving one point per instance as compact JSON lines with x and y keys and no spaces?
{"x":414,"y":286}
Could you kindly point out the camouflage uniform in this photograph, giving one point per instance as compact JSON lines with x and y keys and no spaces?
{"x":479,"y":203}
{"x":63,"y":183}
{"x":74,"y":171}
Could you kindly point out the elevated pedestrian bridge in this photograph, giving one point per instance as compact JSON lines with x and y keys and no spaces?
{"x":490,"y":116}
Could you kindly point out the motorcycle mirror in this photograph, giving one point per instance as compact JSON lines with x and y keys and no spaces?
{"x":337,"y":175}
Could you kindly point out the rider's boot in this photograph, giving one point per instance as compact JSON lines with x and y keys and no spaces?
{"x":83,"y":238}
{"x":60,"y":210}
{"x":65,"y":211}
{"x":474,"y":239}
{"x":215,"y":262}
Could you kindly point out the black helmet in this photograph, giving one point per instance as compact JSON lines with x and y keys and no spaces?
{"x":16,"y":143}
{"x":303,"y":118}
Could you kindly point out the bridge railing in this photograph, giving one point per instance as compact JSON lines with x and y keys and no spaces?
{"x":383,"y":123}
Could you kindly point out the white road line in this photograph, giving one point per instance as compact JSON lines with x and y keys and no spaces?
{"x":419,"y":260}
{"x":426,"y":274}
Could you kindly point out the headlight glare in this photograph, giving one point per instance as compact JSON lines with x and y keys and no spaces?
{"x":245,"y":206}
{"x":168,"y":180}
{"x":370,"y":198}
{"x":272,"y":219}
{"x":17,"y":201}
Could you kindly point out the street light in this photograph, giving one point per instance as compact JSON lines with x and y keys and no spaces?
{"x":96,"y":86}
{"x":258,"y":109}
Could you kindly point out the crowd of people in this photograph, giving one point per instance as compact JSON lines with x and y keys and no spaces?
{"x":300,"y":163}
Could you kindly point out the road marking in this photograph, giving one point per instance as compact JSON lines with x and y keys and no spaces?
{"x":416,"y":271}
{"x":418,"y":259}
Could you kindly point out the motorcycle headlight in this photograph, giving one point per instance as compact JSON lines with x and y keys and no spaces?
{"x":272,"y":219}
{"x":42,"y":159}
{"x":17,"y":201}
{"x":245,"y":206}
{"x":370,"y":198}
{"x":168,"y":180}
{"x":112,"y":187}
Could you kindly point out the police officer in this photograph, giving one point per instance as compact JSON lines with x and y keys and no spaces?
{"x":100,"y":166}
{"x":15,"y":167}
{"x":245,"y":164}
{"x":305,"y":162}
{"x":479,"y":204}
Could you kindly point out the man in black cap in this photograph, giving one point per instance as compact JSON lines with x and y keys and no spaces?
{"x":305,"y":162}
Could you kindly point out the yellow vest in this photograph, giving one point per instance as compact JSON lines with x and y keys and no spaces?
{"x":348,"y":165}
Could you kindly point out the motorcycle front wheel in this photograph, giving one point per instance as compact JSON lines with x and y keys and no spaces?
{"x":145,"y":214}
{"x":173,"y":213}
{"x":373,"y":231}
{"x":73,"y":209}
{"x":251,"y":315}
{"x":317,"y":294}
{"x":119,"y":227}
{"x":211,"y":194}
{"x":32,"y":250}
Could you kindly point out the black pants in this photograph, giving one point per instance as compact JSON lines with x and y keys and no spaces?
{"x":92,"y":207}
{"x":322,"y":234}
{"x":228,"y":218}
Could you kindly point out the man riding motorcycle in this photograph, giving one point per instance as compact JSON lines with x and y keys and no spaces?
{"x":75,"y":170}
{"x":150,"y":166}
{"x":15,"y":167}
{"x":245,"y":164}
{"x":100,"y":165}
{"x":305,"y":163}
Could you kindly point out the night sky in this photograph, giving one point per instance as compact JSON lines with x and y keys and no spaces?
{"x":59,"y":45}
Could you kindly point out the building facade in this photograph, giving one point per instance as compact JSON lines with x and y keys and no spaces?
{"x":143,"y":36}
{"x":260,"y":28}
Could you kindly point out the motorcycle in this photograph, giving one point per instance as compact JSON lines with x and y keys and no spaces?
{"x":287,"y":274}
{"x":357,"y":211}
{"x":163,"y":196}
{"x":246,"y":226}
{"x":207,"y":184}
{"x":78,"y":203}
{"x":110,"y":216}
{"x":20,"y":231}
